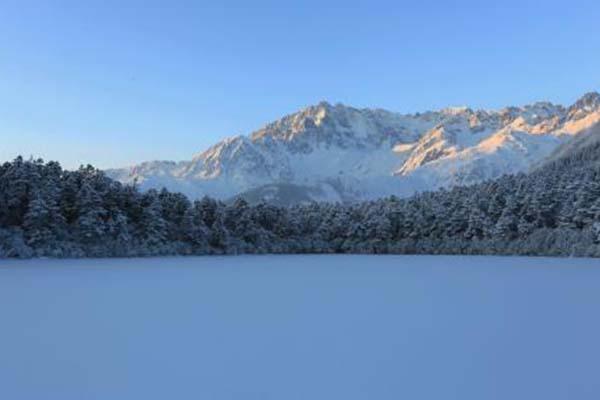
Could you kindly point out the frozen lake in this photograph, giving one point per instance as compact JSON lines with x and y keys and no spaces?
{"x":300,"y":327}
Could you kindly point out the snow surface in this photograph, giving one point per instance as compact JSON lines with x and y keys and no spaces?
{"x":300,"y":327}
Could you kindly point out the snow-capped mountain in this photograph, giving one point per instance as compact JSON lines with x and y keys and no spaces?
{"x":341,"y":153}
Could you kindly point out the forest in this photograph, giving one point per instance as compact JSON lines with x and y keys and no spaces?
{"x":47,"y":211}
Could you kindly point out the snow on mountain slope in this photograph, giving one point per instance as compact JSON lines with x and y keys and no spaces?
{"x":340,"y":153}
{"x":589,"y":141}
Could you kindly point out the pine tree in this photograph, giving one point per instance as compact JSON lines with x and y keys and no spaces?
{"x":153,"y":226}
{"x":38,"y":224}
{"x":195,"y":231}
{"x":218,"y":237}
{"x":91,"y":220}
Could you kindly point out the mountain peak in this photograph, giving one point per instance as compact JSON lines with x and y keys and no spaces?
{"x":588,"y":101}
{"x":456,"y":110}
{"x":324,"y":104}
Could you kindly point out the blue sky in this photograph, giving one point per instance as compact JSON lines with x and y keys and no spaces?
{"x":118,"y":82}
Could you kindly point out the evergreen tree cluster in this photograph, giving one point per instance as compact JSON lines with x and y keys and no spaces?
{"x":47,"y":211}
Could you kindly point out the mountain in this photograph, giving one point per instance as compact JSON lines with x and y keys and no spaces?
{"x":340,"y":153}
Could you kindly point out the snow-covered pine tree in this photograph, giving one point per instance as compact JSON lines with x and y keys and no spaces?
{"x":153,"y":227}
{"x":91,"y":219}
{"x":195,"y":231}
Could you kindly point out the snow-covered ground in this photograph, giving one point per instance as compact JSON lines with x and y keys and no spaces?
{"x":300,"y":327}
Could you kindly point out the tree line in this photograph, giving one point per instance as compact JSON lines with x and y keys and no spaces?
{"x":46,"y":211}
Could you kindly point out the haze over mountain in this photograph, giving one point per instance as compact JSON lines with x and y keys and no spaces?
{"x":340,"y":153}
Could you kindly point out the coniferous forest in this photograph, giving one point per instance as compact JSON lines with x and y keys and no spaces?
{"x":46,"y":211}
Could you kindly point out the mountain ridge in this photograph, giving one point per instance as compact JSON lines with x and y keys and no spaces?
{"x":350,"y":153}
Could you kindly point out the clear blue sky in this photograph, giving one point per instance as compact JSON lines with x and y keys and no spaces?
{"x":118,"y":82}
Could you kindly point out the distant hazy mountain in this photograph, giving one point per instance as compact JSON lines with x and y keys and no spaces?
{"x":339,"y":153}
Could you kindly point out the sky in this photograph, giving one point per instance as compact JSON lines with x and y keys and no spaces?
{"x":114,"y":83}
